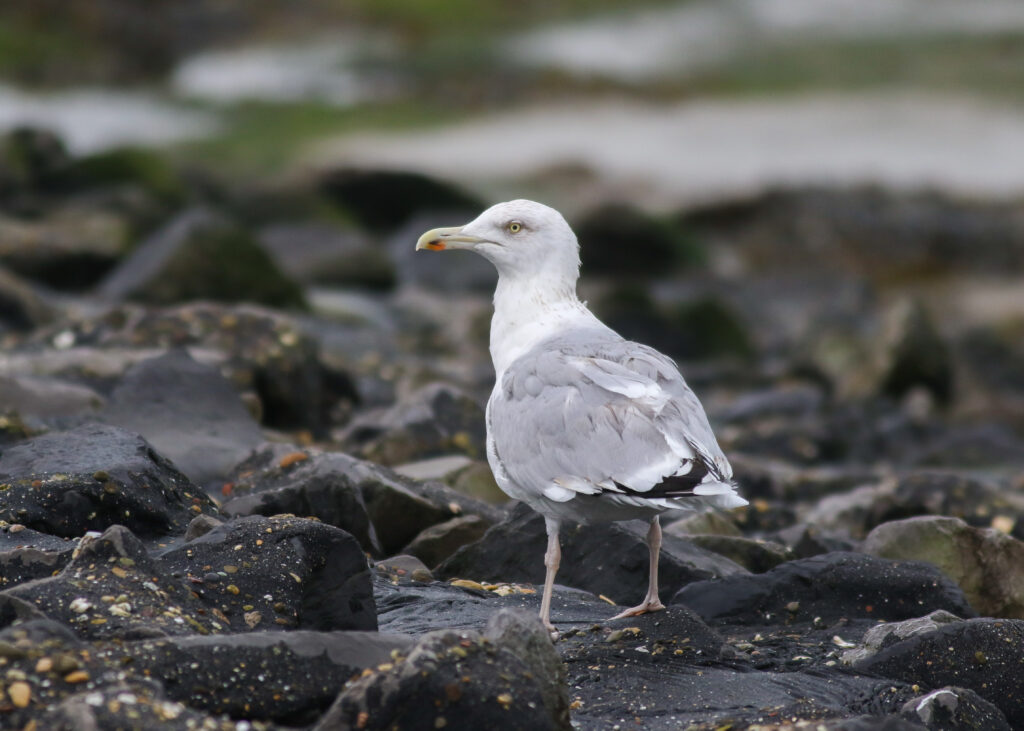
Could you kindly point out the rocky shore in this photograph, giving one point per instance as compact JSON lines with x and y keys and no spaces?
{"x":243,"y":484}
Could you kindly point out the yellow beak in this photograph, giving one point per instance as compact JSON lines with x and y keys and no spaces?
{"x":439,"y":239}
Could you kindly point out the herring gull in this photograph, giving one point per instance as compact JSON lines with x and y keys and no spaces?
{"x":582,"y":425}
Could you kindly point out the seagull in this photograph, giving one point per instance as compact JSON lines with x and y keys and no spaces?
{"x":582,"y":425}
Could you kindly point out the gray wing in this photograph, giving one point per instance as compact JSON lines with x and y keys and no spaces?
{"x":584,"y":414}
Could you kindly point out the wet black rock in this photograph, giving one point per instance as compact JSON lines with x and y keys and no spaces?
{"x":113,"y":588}
{"x":955,"y":709}
{"x":435,"y":420}
{"x":201,"y":255}
{"x":610,"y":559}
{"x":94,"y":476}
{"x":189,"y":412}
{"x":830,"y":586}
{"x":980,"y":654}
{"x":26,"y":554}
{"x":383,"y":199}
{"x":506,"y":677}
{"x":382,"y":509}
{"x":288,"y":677}
{"x":132,"y":706}
{"x":278,"y":573}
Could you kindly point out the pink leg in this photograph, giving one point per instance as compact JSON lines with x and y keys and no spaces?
{"x":651,"y":602}
{"x":552,"y":557}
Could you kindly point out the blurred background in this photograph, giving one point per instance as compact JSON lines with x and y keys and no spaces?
{"x":815,"y":205}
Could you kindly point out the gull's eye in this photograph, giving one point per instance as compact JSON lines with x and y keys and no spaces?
{"x":515,"y":227}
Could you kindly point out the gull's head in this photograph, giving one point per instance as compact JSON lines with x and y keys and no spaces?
{"x":521,"y":238}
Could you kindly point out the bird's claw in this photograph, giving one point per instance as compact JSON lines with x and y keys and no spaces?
{"x":648,"y":606}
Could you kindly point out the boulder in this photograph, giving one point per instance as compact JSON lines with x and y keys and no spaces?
{"x":201,"y":255}
{"x":26,"y":554}
{"x":383,"y":510}
{"x":986,"y":563}
{"x":609,"y":559}
{"x":434,"y":420}
{"x":955,"y":709}
{"x":887,"y":633}
{"x":437,"y":542}
{"x":189,"y":412}
{"x":319,"y":253}
{"x":278,"y":574}
{"x":830,"y":586}
{"x":506,"y":677}
{"x":980,"y":654}
{"x":618,"y":240}
{"x":92,"y":477}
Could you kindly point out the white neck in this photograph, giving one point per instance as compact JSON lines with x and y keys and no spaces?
{"x":529,"y":310}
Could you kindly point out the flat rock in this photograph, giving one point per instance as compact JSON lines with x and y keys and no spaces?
{"x":94,"y":476}
{"x":509,"y":676}
{"x":189,"y":412}
{"x":986,"y":563}
{"x":289,"y":677}
{"x":48,"y":401}
{"x":382,"y":509}
{"x":278,"y":574}
{"x":610,"y":559}
{"x":980,"y":654}
{"x":829,"y":586}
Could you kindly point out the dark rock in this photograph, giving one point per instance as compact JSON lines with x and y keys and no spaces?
{"x":986,"y":563}
{"x":435,"y":420}
{"x":610,"y":559}
{"x":981,"y":446}
{"x":829,"y":586}
{"x":189,"y":412}
{"x":508,"y":677}
{"x":325,"y":254}
{"x":947,"y":493}
{"x":29,"y":158}
{"x":257,"y":349}
{"x":48,"y":401}
{"x":113,"y":588}
{"x":403,"y":568}
{"x":134,"y":706}
{"x":807,"y":540}
{"x":955,"y":709}
{"x":792,"y":400}
{"x":383,"y":510}
{"x":200,"y":526}
{"x":92,"y":477}
{"x":279,"y":573}
{"x":916,"y":356}
{"x":436,"y":543}
{"x":22,"y":308}
{"x":753,"y":554}
{"x":621,"y":241}
{"x":201,"y":255}
{"x":26,"y":554}
{"x":289,"y":677}
{"x":889,"y":633}
{"x":68,"y":248}
{"x":873,"y":232}
{"x":383,"y":199}
{"x":980,"y":654}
